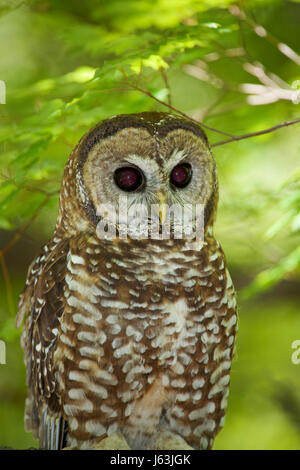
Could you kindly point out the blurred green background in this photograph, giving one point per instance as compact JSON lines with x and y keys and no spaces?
{"x":233,"y":66}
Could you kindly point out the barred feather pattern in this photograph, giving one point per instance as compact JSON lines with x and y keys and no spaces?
{"x":42,"y":303}
{"x":147,"y":345}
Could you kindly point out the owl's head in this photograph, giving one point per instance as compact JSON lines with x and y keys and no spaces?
{"x":150,"y":160}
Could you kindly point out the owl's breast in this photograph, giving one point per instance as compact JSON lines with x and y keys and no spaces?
{"x":140,"y":334}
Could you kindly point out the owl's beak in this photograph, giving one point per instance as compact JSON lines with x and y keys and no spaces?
{"x":162,"y":211}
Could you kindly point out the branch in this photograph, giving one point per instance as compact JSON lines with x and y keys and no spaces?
{"x":147,"y":93}
{"x":8,"y":247}
{"x":23,"y":229}
{"x":273,"y":88}
{"x":232,"y":138}
{"x":207,"y":112}
{"x":167,"y":84}
{"x":255,"y":134}
{"x":8,"y":286}
{"x":28,"y":187}
{"x":260,"y":31}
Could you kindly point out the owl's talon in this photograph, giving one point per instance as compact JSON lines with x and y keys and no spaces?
{"x":166,"y":440}
{"x":113,"y":442}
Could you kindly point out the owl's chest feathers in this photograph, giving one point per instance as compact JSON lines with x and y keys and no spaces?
{"x":131,"y":335}
{"x":146,"y":304}
{"x":141,"y":332}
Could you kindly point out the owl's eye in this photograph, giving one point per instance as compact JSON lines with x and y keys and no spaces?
{"x":181,"y":175}
{"x":128,"y":178}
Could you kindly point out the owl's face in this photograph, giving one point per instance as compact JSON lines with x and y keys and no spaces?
{"x":154,"y":160}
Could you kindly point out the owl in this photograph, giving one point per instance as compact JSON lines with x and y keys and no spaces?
{"x":130,"y":339}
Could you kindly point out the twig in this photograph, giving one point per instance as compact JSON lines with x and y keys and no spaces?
{"x":29,"y":188}
{"x":255,"y":134}
{"x":147,"y":93}
{"x":274,"y":87}
{"x":23,"y":229}
{"x":201,"y":71}
{"x":242,"y":37}
{"x":9,"y":291}
{"x":232,"y":138}
{"x":65,"y":141}
{"x":206,"y":112}
{"x":165,"y":79}
{"x":260,"y":31}
{"x":138,"y":80}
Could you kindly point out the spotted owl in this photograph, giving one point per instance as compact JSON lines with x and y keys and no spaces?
{"x":124,"y":336}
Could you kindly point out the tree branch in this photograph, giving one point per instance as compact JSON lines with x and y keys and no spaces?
{"x":8,"y":286}
{"x":255,"y":134}
{"x":232,"y":138}
{"x":166,"y":81}
{"x":147,"y":93}
{"x":260,"y":31}
{"x":23,"y":229}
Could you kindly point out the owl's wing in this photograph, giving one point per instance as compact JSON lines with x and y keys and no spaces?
{"x":42,"y":304}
